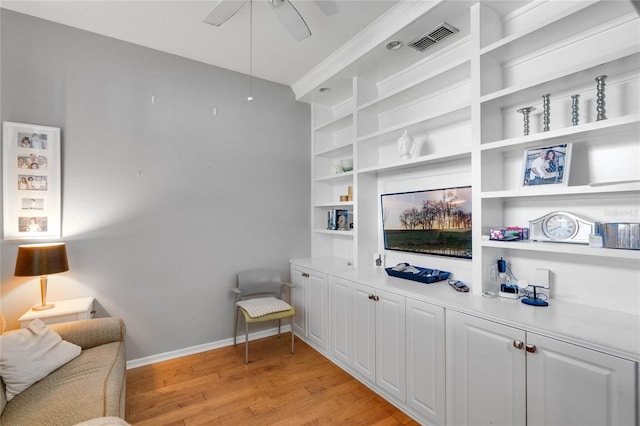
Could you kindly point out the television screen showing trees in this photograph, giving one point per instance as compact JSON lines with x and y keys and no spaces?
{"x":436,"y":222}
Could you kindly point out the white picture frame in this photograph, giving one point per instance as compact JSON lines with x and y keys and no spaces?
{"x":32,"y":181}
{"x":546,"y":165}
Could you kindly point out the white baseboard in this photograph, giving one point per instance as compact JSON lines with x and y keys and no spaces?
{"x":166,"y":356}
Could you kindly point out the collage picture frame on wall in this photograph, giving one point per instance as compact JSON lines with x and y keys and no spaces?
{"x":32,"y":181}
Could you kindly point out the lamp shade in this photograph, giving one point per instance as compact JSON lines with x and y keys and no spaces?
{"x":41,"y":259}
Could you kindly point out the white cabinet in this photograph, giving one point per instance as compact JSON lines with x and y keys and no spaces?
{"x":317,"y":309}
{"x":502,"y":375}
{"x":394,"y":342}
{"x":368,"y":334}
{"x":485,"y":372}
{"x":311,"y":302}
{"x":570,"y":385}
{"x":379,"y":335}
{"x":390,"y":343}
{"x":299,"y":279}
{"x":426,"y":360}
{"x":341,"y":319}
{"x":364,"y":332}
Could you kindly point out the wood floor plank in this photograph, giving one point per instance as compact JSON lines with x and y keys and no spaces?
{"x":275,"y":388}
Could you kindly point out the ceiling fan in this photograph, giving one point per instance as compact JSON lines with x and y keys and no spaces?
{"x":283,"y":9}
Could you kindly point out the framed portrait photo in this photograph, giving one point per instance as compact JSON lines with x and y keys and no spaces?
{"x":546,"y":165}
{"x":32,"y":204}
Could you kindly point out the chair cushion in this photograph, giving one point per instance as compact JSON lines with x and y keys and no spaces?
{"x":31,"y":353}
{"x":261,"y":306}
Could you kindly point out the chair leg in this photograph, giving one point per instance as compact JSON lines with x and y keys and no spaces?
{"x":235,"y":325}
{"x":292,"y":337}
{"x":246,"y":342}
{"x":279,"y":322}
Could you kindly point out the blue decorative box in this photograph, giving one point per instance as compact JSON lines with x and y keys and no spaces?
{"x":424,"y":275}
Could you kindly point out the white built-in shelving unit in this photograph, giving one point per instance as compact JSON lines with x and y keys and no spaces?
{"x":459,"y":101}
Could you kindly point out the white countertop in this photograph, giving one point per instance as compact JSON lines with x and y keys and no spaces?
{"x":609,"y":331}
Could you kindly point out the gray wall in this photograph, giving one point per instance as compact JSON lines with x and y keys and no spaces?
{"x":162,"y":203}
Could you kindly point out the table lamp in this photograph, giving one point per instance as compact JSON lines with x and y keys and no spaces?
{"x":41,"y":259}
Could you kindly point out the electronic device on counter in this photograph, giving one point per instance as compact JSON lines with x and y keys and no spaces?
{"x":541,"y":281}
{"x":459,"y":286}
{"x":508,"y":289}
{"x":562,"y":227}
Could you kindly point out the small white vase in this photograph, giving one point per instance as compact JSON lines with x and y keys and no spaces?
{"x":406,"y":145}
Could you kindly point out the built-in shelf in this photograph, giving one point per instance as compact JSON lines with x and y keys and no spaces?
{"x":336,"y":204}
{"x":336,"y":151}
{"x":453,"y":114}
{"x":594,"y":129}
{"x":337,"y":233}
{"x":543,"y":191}
{"x":579,"y":17}
{"x":339,"y":177}
{"x":453,"y":74}
{"x":459,"y":102}
{"x":339,"y":123}
{"x":613,"y":62}
{"x":566,"y":248}
{"x":415,"y":162}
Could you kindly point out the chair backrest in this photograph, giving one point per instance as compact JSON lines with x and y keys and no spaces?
{"x":260,"y":282}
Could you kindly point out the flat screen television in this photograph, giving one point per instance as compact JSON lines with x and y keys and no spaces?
{"x":435,"y":221}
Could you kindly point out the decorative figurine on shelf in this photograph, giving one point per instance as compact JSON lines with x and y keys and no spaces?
{"x":525,"y":112}
{"x":600,"y":98}
{"x":574,"y":109}
{"x":545,"y":112}
{"x":406,"y":145}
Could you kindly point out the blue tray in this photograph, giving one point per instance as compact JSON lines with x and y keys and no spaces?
{"x":424,"y":276}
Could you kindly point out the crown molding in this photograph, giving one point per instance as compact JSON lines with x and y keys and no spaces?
{"x":396,"y":18}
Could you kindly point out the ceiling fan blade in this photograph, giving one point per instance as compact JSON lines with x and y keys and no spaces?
{"x":290,"y":18}
{"x":328,"y":7}
{"x":224,"y":10}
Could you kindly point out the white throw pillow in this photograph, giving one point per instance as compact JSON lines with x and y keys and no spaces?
{"x":29,"y":354}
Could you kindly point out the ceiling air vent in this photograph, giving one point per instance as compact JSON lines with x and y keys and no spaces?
{"x":439,"y":33}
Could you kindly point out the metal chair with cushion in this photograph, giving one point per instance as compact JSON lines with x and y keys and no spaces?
{"x":258,"y":297}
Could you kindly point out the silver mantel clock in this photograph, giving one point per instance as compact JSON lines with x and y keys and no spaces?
{"x":563,"y":227}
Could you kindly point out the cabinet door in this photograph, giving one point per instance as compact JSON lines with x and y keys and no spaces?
{"x":426,"y":360}
{"x":364,"y":322}
{"x":298,"y":278}
{"x":317,"y":309}
{"x":390,"y":344}
{"x":341,"y":320}
{"x":571,"y":385}
{"x":485,"y":372}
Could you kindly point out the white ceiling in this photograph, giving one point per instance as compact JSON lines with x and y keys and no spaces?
{"x":176,"y":26}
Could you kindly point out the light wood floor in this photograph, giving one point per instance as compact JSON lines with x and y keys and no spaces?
{"x":275,"y":388}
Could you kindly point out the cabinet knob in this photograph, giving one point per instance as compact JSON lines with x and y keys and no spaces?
{"x":531,"y":349}
{"x":371,"y":297}
{"x":518,"y":344}
{"x":376,"y":298}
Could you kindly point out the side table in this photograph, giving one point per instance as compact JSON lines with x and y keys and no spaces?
{"x":63,"y":311}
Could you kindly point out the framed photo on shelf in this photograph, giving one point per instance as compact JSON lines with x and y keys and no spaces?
{"x":546,"y":165}
{"x":31,"y":156}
